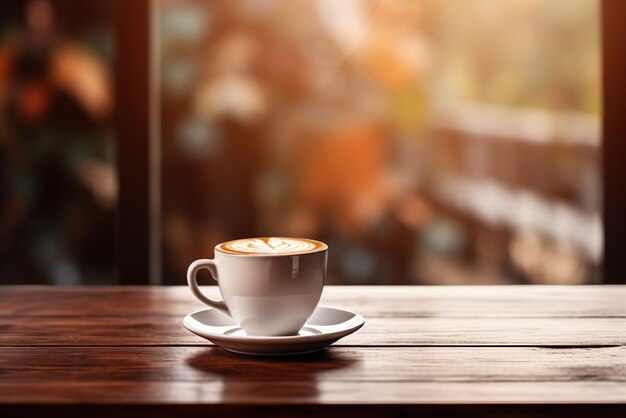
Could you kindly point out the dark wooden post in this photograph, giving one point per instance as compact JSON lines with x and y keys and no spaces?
{"x":614,"y":139}
{"x":132,"y":70}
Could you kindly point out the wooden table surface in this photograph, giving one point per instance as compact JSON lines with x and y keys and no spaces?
{"x":436,"y":351}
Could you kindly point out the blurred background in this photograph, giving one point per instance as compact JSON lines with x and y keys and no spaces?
{"x":58,"y":185}
{"x":426,"y":141}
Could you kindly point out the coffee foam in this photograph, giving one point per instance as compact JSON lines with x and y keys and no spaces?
{"x":271,"y":246}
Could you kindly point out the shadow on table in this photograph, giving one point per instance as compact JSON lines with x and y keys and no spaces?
{"x":249,"y":378}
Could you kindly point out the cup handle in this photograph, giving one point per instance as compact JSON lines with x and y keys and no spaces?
{"x":192,"y":271}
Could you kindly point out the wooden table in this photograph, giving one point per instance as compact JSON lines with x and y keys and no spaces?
{"x":433,"y":351}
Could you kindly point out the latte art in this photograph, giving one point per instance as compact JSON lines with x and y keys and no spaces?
{"x":271,"y":246}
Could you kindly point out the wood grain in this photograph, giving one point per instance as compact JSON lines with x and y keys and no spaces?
{"x":377,"y":331}
{"x":289,"y":394}
{"x":409,"y":301}
{"x":402,"y":364}
{"x":474,"y":351}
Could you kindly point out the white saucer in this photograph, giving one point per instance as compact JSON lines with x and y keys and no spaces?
{"x":323,"y":328}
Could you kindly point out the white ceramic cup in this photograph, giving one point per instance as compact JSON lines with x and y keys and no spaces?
{"x":267,"y":294}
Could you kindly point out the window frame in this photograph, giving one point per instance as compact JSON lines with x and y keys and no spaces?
{"x":138,"y":235}
{"x":613,"y":137}
{"x":132,"y":127}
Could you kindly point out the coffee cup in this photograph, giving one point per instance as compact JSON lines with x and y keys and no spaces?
{"x":270,"y":286}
